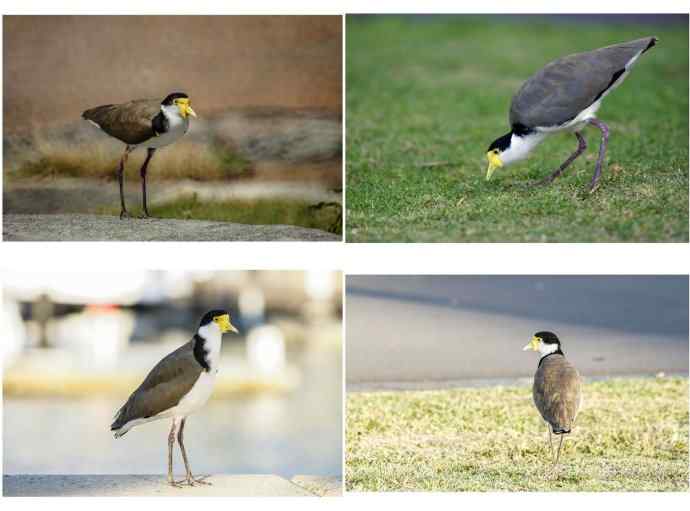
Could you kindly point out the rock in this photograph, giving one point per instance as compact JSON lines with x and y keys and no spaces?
{"x":110,"y":228}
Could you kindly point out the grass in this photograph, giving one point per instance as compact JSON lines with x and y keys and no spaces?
{"x":424,"y":90}
{"x":631,"y":435}
{"x":324,"y":216}
{"x":55,"y":157}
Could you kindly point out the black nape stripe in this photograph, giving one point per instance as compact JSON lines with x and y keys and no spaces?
{"x":200,"y":352}
{"x":521,"y":130}
{"x":557,"y":352}
{"x":159,"y":124}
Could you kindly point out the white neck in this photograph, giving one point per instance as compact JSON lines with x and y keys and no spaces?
{"x":521,"y":146}
{"x":172,"y":113}
{"x":212,"y":340}
{"x":547,"y":349}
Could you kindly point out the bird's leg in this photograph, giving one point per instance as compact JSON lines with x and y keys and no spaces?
{"x":121,"y":179}
{"x":581,"y":146}
{"x":548,"y":428}
{"x":142,"y":172}
{"x":171,"y":443}
{"x":602,"y":152}
{"x":191,"y":481}
{"x":558,"y":456}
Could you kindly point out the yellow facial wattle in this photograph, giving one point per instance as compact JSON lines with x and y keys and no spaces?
{"x":494,"y":163}
{"x":533,"y":344}
{"x":224,"y":324}
{"x":185,"y":107}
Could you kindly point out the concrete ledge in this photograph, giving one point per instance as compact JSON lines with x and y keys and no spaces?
{"x":155,"y":485}
{"x":111,"y":228}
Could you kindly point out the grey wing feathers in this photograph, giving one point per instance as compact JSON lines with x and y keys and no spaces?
{"x":557,"y":392}
{"x":163,"y":388}
{"x":569,"y":85}
{"x":129,"y":122}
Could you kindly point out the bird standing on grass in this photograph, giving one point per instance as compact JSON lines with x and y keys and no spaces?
{"x":565,"y":96}
{"x":177,"y":386}
{"x":143,"y":122}
{"x":556,"y":389}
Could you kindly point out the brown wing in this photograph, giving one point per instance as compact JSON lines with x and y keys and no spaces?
{"x":556,"y":392}
{"x":163,"y":388}
{"x":130,"y":122}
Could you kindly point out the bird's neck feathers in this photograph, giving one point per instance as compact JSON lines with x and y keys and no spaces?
{"x":546,"y":350}
{"x":521,"y":145}
{"x":207,"y":342}
{"x":172,"y":114}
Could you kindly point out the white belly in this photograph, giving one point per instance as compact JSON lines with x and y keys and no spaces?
{"x":177,"y":128}
{"x":196,"y":398}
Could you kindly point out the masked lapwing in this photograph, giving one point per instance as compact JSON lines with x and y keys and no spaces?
{"x":177,"y":386}
{"x":149,"y":123}
{"x":565,"y":96}
{"x":556,"y":389}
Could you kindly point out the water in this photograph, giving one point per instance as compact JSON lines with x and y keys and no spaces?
{"x":297,"y":433}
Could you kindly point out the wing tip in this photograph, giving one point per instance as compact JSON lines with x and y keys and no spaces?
{"x":652,"y":42}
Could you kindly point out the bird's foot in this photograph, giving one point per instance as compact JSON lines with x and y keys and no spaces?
{"x":124,"y":214}
{"x":145,"y":215}
{"x":193,"y":481}
{"x":175,"y":484}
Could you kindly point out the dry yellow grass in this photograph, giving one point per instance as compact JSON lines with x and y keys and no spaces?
{"x":99,"y":158}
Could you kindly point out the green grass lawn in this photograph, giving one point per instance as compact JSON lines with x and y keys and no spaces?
{"x":631,"y":434}
{"x":423,"y":90}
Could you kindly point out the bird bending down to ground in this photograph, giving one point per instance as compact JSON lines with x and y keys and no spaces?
{"x":556,"y":389}
{"x":177,"y":386}
{"x":565,"y":96}
{"x":143,"y":122}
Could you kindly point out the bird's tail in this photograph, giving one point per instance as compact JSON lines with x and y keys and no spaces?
{"x":119,"y":422}
{"x":560,"y":431}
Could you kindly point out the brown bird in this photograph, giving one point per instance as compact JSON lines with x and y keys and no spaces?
{"x":143,"y":122}
{"x":177,"y":386}
{"x":556,"y":390}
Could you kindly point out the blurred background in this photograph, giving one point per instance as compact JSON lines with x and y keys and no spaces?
{"x":439,"y":331}
{"x":75,"y":345}
{"x":267,"y":90}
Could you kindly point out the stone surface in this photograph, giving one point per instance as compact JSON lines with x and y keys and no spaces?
{"x":111,"y":228}
{"x":322,"y":486}
{"x":148,"y":485}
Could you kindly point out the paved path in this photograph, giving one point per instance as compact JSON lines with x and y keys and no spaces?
{"x":156,"y":485}
{"x":111,"y":228}
{"x":420,"y":332}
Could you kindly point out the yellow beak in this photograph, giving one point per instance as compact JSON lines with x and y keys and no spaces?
{"x":224,"y":324}
{"x":533,"y":344}
{"x":185,"y":108}
{"x":494,"y":163}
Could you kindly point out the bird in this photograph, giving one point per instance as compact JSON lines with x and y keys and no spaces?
{"x":564,"y":96}
{"x":557,"y":385}
{"x":150,"y":123}
{"x":178,"y":386}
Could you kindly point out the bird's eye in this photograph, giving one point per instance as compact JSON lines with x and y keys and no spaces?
{"x":495,"y":151}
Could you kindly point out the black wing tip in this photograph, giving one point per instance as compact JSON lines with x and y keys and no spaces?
{"x":652,"y":42}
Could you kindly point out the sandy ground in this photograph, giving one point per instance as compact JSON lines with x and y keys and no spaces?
{"x":77,"y":227}
{"x":419,"y":332}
